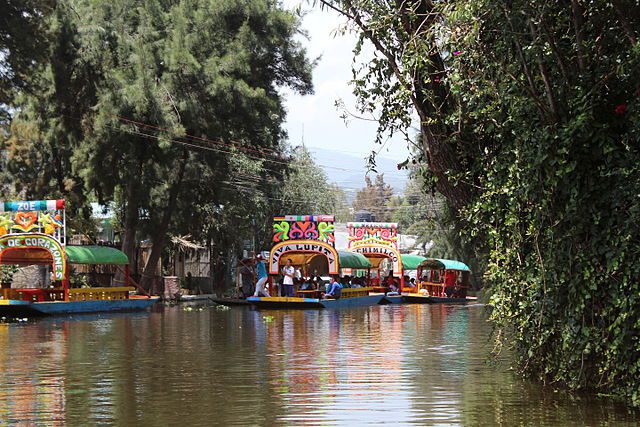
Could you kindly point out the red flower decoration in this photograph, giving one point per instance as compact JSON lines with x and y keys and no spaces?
{"x":621,"y":109}
{"x":456,"y":53}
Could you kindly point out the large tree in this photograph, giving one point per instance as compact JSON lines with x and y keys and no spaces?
{"x":156,"y":110}
{"x":406,"y":77}
{"x":528,"y":116}
{"x":23,"y":46}
{"x":374,"y":197}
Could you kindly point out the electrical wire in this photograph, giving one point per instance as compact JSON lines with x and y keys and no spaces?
{"x":236,"y":145}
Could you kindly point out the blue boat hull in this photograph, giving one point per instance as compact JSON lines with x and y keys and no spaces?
{"x":393,"y":299}
{"x":15,"y":308}
{"x":305,"y":303}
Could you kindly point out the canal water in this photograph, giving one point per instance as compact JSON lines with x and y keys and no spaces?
{"x":199,"y":365}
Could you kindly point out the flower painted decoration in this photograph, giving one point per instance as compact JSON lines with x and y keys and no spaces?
{"x":25,"y":221}
{"x":325,"y":231}
{"x":5,"y":224}
{"x":621,"y":109}
{"x":57,"y":220}
{"x":49,"y":224}
{"x":280,"y":231}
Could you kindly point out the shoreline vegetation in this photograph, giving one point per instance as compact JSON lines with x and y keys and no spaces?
{"x":529,"y":129}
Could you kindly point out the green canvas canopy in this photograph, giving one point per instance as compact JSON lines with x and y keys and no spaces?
{"x":411,"y":262}
{"x":95,"y":255}
{"x":447,"y":264}
{"x":353,"y":260}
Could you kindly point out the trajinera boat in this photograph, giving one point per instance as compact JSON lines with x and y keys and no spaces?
{"x":441,"y":281}
{"x":33,"y":233}
{"x":309,"y":242}
{"x":378,"y":241}
{"x":409,"y":263}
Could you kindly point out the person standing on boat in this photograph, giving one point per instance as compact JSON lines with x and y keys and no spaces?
{"x":450,"y":278}
{"x":261,"y":271}
{"x":289,"y":273}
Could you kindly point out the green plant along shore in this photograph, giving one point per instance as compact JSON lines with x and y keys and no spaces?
{"x":529,"y":128}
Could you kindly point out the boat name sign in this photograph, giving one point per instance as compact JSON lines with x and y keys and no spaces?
{"x":319,"y":248}
{"x":38,"y":241}
{"x":386,"y":252}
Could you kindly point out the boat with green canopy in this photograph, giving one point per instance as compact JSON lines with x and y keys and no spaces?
{"x":412,"y":262}
{"x":307,"y":241}
{"x":32,"y":233}
{"x":409,"y":263}
{"x":441,"y":281}
{"x":94,"y":255}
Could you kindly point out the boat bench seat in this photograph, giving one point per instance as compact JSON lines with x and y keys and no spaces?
{"x":355,"y":292}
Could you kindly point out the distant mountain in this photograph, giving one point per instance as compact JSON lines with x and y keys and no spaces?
{"x":348,"y":170}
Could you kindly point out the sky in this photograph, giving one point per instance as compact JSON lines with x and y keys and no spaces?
{"x":316,"y":116}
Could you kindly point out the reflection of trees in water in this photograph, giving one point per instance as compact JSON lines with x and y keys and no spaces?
{"x":396,"y":363}
{"x":457,"y":381}
{"x":32,"y":384}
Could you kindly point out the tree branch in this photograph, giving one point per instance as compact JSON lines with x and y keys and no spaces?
{"x":577,"y":25}
{"x":626,"y":26}
{"x":545,"y":78}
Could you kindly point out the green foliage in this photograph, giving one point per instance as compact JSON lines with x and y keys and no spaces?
{"x":23,"y":42}
{"x":6,"y":272}
{"x":559,"y":179}
{"x":79,"y":280}
{"x":158,"y":109}
{"x":538,"y":102}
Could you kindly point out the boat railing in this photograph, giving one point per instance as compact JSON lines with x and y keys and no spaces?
{"x":355,"y":292}
{"x":33,"y":294}
{"x":8,"y":293}
{"x":437,"y":289}
{"x":57,"y":294}
{"x":95,"y":294}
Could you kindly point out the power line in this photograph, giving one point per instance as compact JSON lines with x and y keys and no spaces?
{"x":236,"y":144}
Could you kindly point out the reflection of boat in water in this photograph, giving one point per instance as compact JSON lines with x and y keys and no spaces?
{"x":441,"y":281}
{"x":351,"y":297}
{"x":426,"y":299}
{"x":33,"y":233}
{"x":307,"y":242}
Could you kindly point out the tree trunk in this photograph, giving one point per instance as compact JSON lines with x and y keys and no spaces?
{"x":161,"y":233}
{"x":130,"y":225}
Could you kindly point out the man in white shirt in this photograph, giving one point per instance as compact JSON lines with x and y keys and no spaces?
{"x":288,"y":271}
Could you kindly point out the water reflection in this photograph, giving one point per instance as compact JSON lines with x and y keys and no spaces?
{"x":397,"y":364}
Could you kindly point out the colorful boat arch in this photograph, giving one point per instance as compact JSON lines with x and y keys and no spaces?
{"x":376,"y":240}
{"x":303,"y":246}
{"x":40,"y":242}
